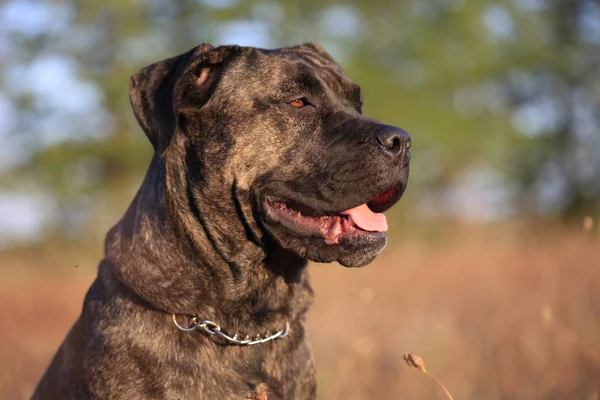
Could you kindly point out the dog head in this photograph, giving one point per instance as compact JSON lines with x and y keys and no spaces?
{"x":273,"y":145}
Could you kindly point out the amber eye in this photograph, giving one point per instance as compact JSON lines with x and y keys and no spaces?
{"x":297,"y":103}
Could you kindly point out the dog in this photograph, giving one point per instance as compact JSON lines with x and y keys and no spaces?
{"x":262,"y":161}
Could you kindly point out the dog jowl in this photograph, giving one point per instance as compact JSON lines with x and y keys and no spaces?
{"x":262,"y":161}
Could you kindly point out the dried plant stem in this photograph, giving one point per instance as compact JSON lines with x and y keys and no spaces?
{"x":415,"y":361}
{"x":441,"y":385}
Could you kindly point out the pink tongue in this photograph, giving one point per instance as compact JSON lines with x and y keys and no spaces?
{"x":366,"y":219}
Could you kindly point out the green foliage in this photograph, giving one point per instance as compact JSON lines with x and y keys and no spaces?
{"x":512,"y":86}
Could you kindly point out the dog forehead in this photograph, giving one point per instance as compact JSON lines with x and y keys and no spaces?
{"x":292,"y":66}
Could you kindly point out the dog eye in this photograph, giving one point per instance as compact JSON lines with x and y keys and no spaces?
{"x":298,"y":103}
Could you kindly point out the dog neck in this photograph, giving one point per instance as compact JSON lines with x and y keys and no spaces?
{"x":163,"y":252}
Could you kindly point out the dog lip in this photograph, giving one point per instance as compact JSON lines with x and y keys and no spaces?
{"x":332,"y":225}
{"x":386,"y":199}
{"x":303,"y":208}
{"x":396,"y":190}
{"x":332,"y":228}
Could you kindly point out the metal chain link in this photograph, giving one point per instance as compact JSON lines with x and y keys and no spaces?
{"x":213,"y":328}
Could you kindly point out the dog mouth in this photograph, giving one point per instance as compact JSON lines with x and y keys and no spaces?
{"x":363,"y":221}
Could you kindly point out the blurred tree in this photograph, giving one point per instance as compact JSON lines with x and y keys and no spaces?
{"x":501,"y":96}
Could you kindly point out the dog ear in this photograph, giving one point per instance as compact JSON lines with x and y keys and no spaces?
{"x":153,"y":91}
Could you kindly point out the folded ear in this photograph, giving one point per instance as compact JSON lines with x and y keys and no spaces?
{"x":152,"y":90}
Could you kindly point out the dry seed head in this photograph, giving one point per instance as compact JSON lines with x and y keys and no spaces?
{"x":415,"y":361}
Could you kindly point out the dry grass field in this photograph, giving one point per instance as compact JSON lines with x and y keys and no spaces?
{"x":495,"y":313}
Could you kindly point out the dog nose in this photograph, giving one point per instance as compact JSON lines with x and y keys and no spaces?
{"x":395,"y":142}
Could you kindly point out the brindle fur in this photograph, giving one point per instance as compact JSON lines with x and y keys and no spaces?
{"x":195,"y":242}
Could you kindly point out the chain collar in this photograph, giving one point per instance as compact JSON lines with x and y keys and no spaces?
{"x":212,"y":328}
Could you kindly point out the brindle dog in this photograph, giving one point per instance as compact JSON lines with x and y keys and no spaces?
{"x":263,"y":161}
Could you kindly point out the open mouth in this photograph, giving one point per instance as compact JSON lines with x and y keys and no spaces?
{"x":334,"y":227}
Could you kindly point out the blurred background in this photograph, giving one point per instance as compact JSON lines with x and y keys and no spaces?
{"x":492,"y":272}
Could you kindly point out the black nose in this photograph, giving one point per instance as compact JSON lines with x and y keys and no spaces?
{"x":395,"y":142}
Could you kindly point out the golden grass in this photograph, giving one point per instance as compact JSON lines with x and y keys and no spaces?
{"x":498,"y":314}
